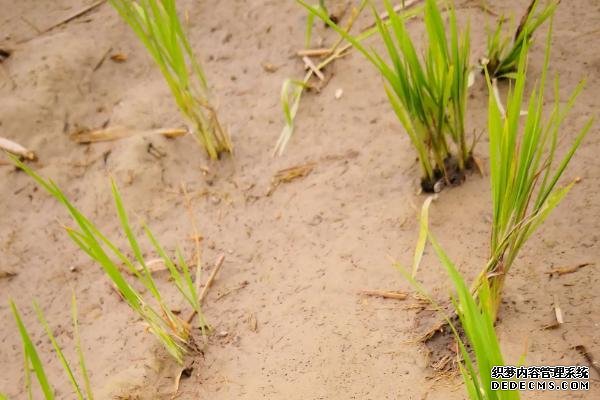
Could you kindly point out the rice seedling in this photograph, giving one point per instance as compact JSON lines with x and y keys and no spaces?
{"x":292,"y":89}
{"x":34,"y":363}
{"x":428,"y":95}
{"x":479,"y":348}
{"x":157,"y":25}
{"x":170,"y":330}
{"x":503,"y":53}
{"x":524,"y":172}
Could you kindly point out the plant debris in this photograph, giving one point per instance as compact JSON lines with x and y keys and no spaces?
{"x":567,"y":270}
{"x":320,"y":52}
{"x":119,"y":57}
{"x":242,"y":285}
{"x":588,"y":357}
{"x":252,"y":323}
{"x":185,"y":372}
{"x":391,"y":294}
{"x":75,"y":15}
{"x":16,"y":149}
{"x":7,"y":274}
{"x":310,"y":65}
{"x":268,"y":67}
{"x":208,"y":284}
{"x":287,"y":175}
{"x":102,"y":59}
{"x":155,"y":151}
{"x":85,"y":136}
{"x":558,"y":312}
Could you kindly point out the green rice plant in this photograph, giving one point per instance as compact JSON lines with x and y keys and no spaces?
{"x":291,"y":93}
{"x":503,"y":53}
{"x":157,"y":25}
{"x":292,"y":89}
{"x":481,"y":349}
{"x":33,"y":361}
{"x":524,"y":169}
{"x":80,"y":356}
{"x":310,"y":19}
{"x":171,"y":331}
{"x":428,"y":94}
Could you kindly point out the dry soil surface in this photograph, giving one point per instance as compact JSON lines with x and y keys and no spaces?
{"x":295,"y":259}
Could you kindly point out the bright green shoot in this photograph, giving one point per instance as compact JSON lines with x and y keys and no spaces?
{"x":429,"y":93}
{"x":291,"y":93}
{"x":80,"y":356}
{"x":503,"y":55}
{"x":33,"y":361}
{"x":157,"y":25}
{"x":172,"y":332}
{"x":524,"y":171}
{"x":476,"y":323}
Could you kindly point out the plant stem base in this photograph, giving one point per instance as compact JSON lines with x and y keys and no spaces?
{"x":453,"y":175}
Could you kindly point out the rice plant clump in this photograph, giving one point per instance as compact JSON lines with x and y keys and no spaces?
{"x":524,"y":168}
{"x":429,"y":93}
{"x":172,"y":331}
{"x":503,"y":54}
{"x":34,"y":363}
{"x":478,"y":346}
{"x":157,"y":25}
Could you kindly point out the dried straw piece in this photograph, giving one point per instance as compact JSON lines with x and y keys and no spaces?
{"x":16,"y":149}
{"x":7,"y":274}
{"x":252,"y":322}
{"x":119,"y":57}
{"x":310,"y":65}
{"x":289,"y":174}
{"x":567,"y":270}
{"x":75,"y":15}
{"x":119,"y":132}
{"x":558,"y":312}
{"x":324,"y":51}
{"x":208,"y":284}
{"x":386,"y":294}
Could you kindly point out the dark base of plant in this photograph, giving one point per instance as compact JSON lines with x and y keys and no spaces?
{"x":495,"y":73}
{"x":442,"y":347}
{"x":223,"y":153}
{"x":454,"y":175}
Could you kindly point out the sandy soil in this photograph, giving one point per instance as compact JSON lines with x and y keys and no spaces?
{"x":306,"y":250}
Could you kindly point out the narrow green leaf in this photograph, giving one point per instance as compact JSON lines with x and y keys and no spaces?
{"x":58,"y":350}
{"x":423,"y":227}
{"x":32,"y":358}
{"x":86,"y":379}
{"x":157,"y":25}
